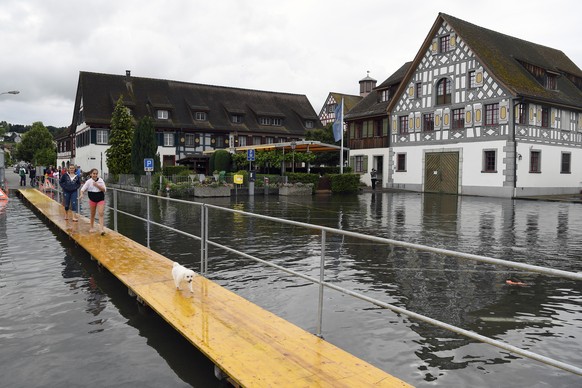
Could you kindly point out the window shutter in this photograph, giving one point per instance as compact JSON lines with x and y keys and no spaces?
{"x":411,"y":90}
{"x":479,"y":76}
{"x":434,"y":47}
{"x":554,"y":118}
{"x":468,"y":116}
{"x":478,"y":119}
{"x":532,"y":114}
{"x":353,"y":163}
{"x":417,"y":122}
{"x":394,"y":124}
{"x":93,"y":136}
{"x":538,"y":115}
{"x":447,"y":118}
{"x":411,"y":122}
{"x":579,"y":122}
{"x":504,"y":112}
{"x":438,"y":115}
{"x":365,"y":166}
{"x":452,"y":40}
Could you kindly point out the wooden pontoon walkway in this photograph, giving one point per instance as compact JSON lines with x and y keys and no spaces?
{"x":252,"y":346}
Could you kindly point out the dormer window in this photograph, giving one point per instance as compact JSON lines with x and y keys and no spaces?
{"x":163,"y":114}
{"x":384,"y":95}
{"x":275,"y":121}
{"x":551,"y":81}
{"x":309,"y":124}
{"x":236,"y":119}
{"x":200,"y":116}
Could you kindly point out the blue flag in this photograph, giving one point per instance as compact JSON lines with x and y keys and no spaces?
{"x":338,"y":124}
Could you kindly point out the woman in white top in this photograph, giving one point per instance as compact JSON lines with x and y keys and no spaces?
{"x":95,"y":186}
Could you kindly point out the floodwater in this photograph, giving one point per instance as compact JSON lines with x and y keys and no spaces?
{"x":63,"y":321}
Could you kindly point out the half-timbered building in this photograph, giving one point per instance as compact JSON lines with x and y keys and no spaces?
{"x":189,"y":118}
{"x":327,"y":113}
{"x":483,"y":113}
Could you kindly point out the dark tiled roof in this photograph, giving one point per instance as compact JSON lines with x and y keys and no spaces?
{"x":501,"y":54}
{"x":146,"y":95}
{"x":370,"y":106}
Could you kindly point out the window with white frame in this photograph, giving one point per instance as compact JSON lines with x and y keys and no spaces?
{"x":277,"y":121}
{"x":309,"y":124}
{"x":102,"y":136}
{"x":200,"y":116}
{"x":190,"y":140}
{"x":236,"y":119}
{"x":163,"y":114}
{"x":168,"y":139}
{"x":242,"y":141}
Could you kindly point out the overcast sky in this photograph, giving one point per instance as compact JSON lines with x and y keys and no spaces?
{"x":298,"y":46}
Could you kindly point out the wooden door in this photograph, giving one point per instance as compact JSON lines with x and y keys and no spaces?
{"x":441,"y":174}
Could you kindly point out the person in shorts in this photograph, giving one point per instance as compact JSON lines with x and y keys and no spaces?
{"x":95,"y":187}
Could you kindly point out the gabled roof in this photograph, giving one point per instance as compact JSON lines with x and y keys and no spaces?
{"x":350,"y":100}
{"x":501,"y":54}
{"x":99,"y":93}
{"x":370,"y":106}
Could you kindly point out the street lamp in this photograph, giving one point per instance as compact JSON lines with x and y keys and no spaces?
{"x":11,"y":92}
{"x":293,"y":144}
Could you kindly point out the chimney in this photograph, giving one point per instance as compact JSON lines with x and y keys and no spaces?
{"x":128,"y":74}
{"x":367,"y":84}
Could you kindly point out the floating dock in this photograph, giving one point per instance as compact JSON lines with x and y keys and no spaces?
{"x":250,"y":345}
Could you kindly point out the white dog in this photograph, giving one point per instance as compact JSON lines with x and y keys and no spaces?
{"x":182,"y":274}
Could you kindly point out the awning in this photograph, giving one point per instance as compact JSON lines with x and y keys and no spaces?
{"x":298,"y":146}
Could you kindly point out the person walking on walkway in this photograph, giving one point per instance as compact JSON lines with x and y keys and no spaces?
{"x":95,"y":186}
{"x":374,"y":177}
{"x":70,"y":183}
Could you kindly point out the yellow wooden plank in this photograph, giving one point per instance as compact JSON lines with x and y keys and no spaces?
{"x":253,"y":346}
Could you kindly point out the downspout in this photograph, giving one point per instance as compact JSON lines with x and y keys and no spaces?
{"x":515,"y":154}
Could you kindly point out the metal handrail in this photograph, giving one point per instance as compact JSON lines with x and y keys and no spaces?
{"x":205,"y":241}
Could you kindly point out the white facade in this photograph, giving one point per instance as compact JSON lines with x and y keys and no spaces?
{"x":476,"y":125}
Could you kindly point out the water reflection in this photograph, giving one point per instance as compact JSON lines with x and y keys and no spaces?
{"x":540,"y":316}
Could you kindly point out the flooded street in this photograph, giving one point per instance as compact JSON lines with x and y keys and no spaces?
{"x":64,"y":321}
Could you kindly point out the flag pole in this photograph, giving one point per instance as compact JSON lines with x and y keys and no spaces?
{"x":342,"y":137}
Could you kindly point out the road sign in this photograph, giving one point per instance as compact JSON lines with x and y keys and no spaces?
{"x":251,"y":155}
{"x":148,"y":164}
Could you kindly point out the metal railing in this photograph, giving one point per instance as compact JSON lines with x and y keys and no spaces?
{"x":206,"y":241}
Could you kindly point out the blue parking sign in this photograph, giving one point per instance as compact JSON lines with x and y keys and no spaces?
{"x":148,"y":164}
{"x":251,"y":155}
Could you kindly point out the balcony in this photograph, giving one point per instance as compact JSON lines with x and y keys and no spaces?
{"x":369,"y":142}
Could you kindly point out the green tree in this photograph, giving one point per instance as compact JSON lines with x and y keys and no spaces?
{"x":45,"y":157}
{"x":120,"y":140}
{"x":144,"y":145}
{"x":36,"y":140}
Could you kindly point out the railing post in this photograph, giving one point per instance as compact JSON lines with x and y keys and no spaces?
{"x":206,"y":222}
{"x":202,"y":238}
{"x":321,"y":280}
{"x":148,"y":220}
{"x":115,"y":210}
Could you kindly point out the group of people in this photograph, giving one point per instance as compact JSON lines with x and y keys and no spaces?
{"x":70,"y":182}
